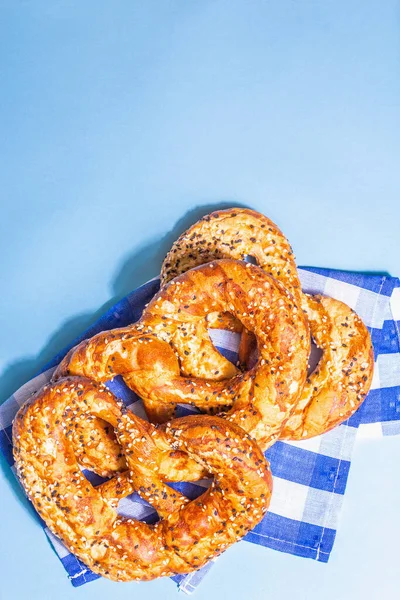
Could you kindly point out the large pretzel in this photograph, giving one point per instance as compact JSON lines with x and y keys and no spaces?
{"x":261,"y":399}
{"x":188,"y":535}
{"x":168,"y":358}
{"x":335,"y":390}
{"x":332,"y":392}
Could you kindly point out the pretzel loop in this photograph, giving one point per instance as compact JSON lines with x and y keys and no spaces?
{"x":338,"y":386}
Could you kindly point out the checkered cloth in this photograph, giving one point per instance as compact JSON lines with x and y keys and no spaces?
{"x":310,"y":476}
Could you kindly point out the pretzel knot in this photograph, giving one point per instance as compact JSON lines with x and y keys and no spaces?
{"x":151,"y":355}
{"x":339,"y":384}
{"x":188,"y":534}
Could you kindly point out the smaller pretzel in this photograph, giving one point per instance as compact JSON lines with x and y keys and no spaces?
{"x":338,"y":385}
{"x":234,"y":233}
{"x":188,"y":535}
{"x":342,"y":378}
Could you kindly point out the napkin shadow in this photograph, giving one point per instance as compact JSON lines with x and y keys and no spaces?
{"x":140,"y":266}
{"x":20,"y":371}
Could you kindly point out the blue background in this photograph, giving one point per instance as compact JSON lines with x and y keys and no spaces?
{"x":122,"y":123}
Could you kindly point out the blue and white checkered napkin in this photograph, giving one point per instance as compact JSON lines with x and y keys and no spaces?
{"x":309,"y":476}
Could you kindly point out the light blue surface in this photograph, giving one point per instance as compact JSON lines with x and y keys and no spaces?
{"x":119,"y":119}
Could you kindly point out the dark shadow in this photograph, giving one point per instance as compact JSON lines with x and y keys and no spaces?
{"x":145,"y":262}
{"x":19,"y":372}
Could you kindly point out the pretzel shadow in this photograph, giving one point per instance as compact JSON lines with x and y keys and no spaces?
{"x":136,"y":268}
{"x":145,"y":262}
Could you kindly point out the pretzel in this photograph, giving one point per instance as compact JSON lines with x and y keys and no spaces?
{"x":261,"y":399}
{"x":336,"y":389}
{"x":234,"y":233}
{"x":188,"y":535}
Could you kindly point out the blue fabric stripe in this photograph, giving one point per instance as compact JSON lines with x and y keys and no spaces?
{"x":5,"y":444}
{"x":373,"y":282}
{"x":119,"y":388}
{"x":85,"y":578}
{"x":308,"y":468}
{"x":385,"y":340}
{"x":296,"y":537}
{"x":228,"y":354}
{"x":189,"y":489}
{"x":355,"y":419}
{"x":383,"y":405}
{"x":78,"y":573}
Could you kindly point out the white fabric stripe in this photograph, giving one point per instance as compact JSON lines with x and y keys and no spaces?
{"x":186,"y":586}
{"x":337,"y":443}
{"x":346,"y":292}
{"x":395,"y":304}
{"x":373,"y":308}
{"x":134,"y":510}
{"x":57,"y":544}
{"x":138,"y":409}
{"x":203,"y":482}
{"x":387,"y":371}
{"x":322,"y":508}
{"x":225,"y":339}
{"x":303,"y":503}
{"x":7,"y":413}
{"x":369,"y":431}
{"x":375,"y":379}
{"x":313,"y":283}
{"x":190,"y":583}
{"x":312,"y":445}
{"x":391,"y":427}
{"x":14,"y":470}
{"x":288,"y":499}
{"x":32,"y":386}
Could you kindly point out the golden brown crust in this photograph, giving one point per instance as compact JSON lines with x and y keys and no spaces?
{"x":85,"y":518}
{"x":342,"y":378}
{"x":339,"y":384}
{"x":261,"y":399}
{"x":234,"y":233}
{"x":319,"y":407}
{"x":168,"y":358}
